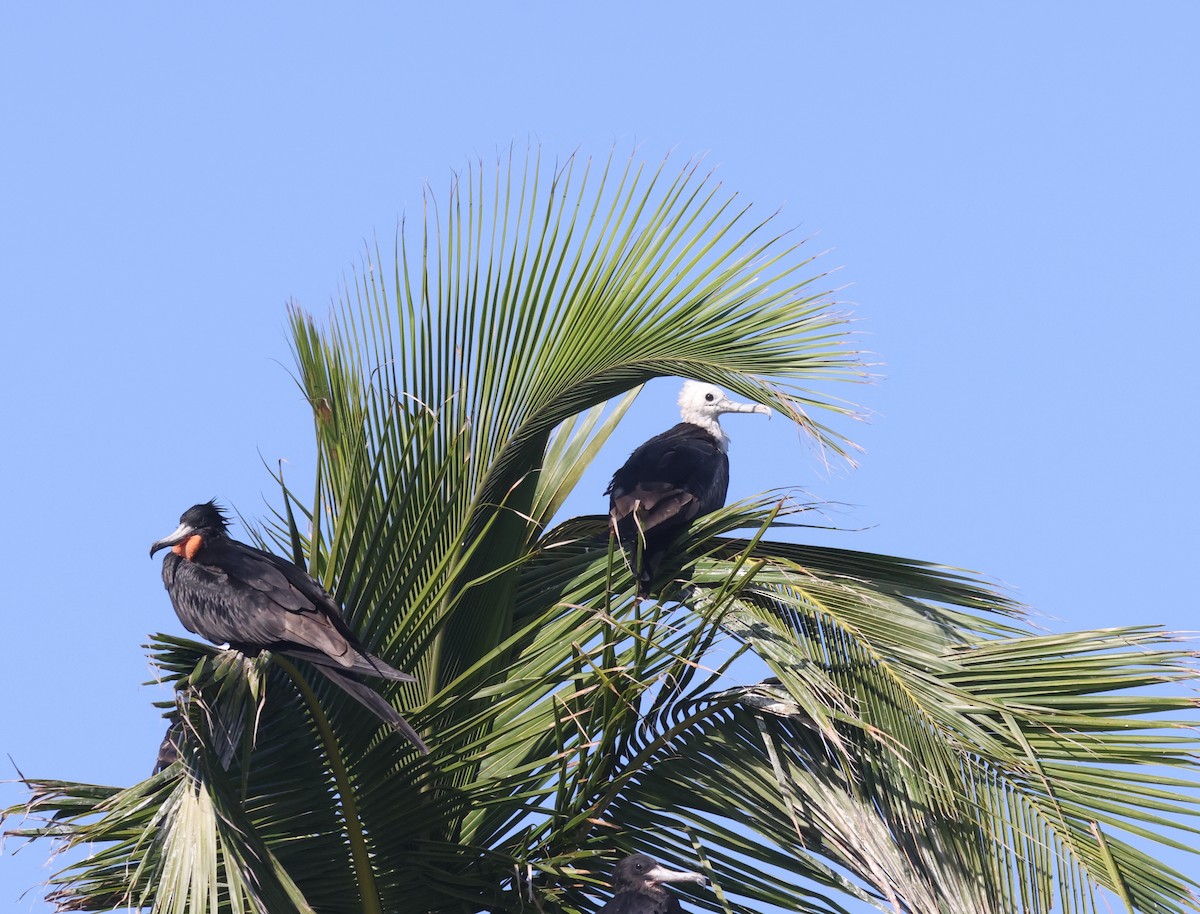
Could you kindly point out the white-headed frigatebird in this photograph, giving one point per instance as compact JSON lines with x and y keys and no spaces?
{"x":674,"y":477}
{"x":251,"y":600}
{"x":637,"y":887}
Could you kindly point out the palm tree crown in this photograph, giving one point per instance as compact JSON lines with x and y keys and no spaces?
{"x":912,"y":744}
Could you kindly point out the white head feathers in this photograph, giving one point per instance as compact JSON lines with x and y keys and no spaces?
{"x":702,"y":404}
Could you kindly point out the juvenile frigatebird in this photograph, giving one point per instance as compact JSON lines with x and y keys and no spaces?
{"x":674,"y":477}
{"x":637,"y":887}
{"x":251,"y":600}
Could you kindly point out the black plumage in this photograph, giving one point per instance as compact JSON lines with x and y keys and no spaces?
{"x":637,"y":887}
{"x":168,"y":749}
{"x":673,"y":478}
{"x":235,"y":594}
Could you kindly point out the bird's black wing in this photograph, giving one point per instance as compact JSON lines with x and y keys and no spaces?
{"x":273,"y":601}
{"x":668,"y":482}
{"x":235,"y":594}
{"x":288,"y":584}
{"x":309,"y":593}
{"x":362,"y":663}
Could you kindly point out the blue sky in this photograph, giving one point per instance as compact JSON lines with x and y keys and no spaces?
{"x":1011,"y":193}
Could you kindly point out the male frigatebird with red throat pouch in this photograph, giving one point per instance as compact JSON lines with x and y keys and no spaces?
{"x":673,"y":478}
{"x":637,"y":887}
{"x":236,"y":595}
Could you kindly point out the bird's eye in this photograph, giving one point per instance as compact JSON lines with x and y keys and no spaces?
{"x":709,"y":397}
{"x":639,"y":866}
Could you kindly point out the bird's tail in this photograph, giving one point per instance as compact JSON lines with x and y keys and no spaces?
{"x":373,"y":701}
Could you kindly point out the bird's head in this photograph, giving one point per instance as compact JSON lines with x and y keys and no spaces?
{"x":197,"y":524}
{"x":638,"y":870}
{"x":702,"y":404}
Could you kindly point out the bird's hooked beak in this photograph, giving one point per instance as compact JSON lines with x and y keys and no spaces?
{"x":182,"y":534}
{"x":661,"y":874}
{"x":732,"y":406}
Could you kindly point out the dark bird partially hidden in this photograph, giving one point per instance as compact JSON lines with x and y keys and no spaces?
{"x":168,"y":749}
{"x":637,"y":887}
{"x":236,"y":595}
{"x":673,"y":478}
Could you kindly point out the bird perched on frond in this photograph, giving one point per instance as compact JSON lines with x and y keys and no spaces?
{"x":236,"y":595}
{"x":638,"y":887}
{"x":673,"y":478}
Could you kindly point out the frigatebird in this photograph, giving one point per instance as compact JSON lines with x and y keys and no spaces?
{"x":168,"y":749}
{"x":674,"y":478}
{"x":237,"y":595}
{"x":637,"y":887}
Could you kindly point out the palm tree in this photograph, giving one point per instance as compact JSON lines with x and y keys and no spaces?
{"x":916,"y":746}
